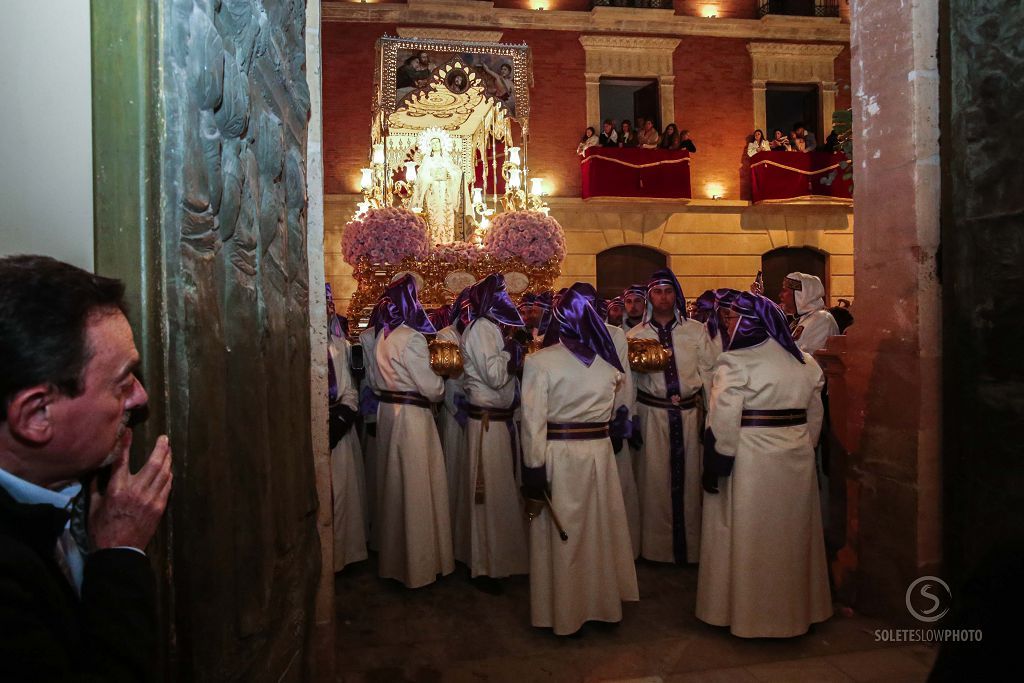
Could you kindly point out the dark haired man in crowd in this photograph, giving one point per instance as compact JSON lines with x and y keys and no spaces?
{"x":76,"y":590}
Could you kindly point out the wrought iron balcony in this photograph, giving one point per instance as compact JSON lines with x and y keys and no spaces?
{"x":800,"y":8}
{"x":639,"y":4}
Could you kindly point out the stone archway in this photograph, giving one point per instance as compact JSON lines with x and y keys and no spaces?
{"x":621,"y":266}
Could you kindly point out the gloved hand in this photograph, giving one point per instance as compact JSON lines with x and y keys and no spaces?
{"x":709,"y":481}
{"x":368,"y":402}
{"x":636,"y":438}
{"x":535,"y":481}
{"x":462,"y":410}
{"x":340,"y":420}
{"x":620,"y":428}
{"x":516,"y":354}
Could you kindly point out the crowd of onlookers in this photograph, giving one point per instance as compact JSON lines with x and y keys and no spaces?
{"x":645,"y":135}
{"x":799,"y":140}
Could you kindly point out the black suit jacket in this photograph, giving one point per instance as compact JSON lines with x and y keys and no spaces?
{"x":48,"y":633}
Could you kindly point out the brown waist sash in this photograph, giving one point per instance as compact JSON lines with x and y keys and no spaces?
{"x":789,"y":417}
{"x":667,"y":403}
{"x":577,"y":431}
{"x":407,"y":398}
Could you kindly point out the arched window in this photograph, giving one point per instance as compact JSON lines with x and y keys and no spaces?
{"x":619,"y":267}
{"x":778,"y":263}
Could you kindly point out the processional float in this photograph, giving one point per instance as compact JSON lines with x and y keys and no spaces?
{"x":447,"y":193}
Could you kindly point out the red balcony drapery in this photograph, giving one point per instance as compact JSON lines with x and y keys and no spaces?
{"x":626,"y":173}
{"x":781,"y":176}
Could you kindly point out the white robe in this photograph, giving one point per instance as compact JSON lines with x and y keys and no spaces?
{"x":625,"y":395}
{"x":412,"y":502}
{"x":763,"y":569}
{"x":490,"y":537}
{"x":368,"y":340}
{"x":453,"y":436}
{"x":589,"y":576}
{"x":347,"y":483}
{"x":813,"y":329}
{"x":694,"y":359}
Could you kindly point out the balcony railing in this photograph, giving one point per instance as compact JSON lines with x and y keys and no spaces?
{"x":639,"y":4}
{"x":800,"y":8}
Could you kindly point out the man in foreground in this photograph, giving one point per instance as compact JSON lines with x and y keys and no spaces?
{"x":76,"y":589}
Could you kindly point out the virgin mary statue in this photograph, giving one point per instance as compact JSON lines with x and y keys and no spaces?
{"x":438,"y":184}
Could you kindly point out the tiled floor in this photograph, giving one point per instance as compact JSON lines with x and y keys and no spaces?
{"x":452,"y":632}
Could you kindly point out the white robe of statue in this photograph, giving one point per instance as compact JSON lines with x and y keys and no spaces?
{"x":412,"y":502}
{"x":490,"y":537}
{"x":763,"y":569}
{"x":437,"y":192}
{"x":694,"y":360}
{"x":347,"y":482}
{"x":588,"y":577}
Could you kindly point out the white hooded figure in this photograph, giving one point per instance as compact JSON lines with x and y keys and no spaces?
{"x":802,"y":297}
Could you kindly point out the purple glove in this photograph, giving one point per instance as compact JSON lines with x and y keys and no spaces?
{"x":462,"y":410}
{"x":516,"y":355}
{"x":636,"y":438}
{"x":620,"y":428}
{"x":368,"y":402}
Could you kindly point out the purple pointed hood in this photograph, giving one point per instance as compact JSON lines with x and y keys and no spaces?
{"x":660,"y":278}
{"x":461,"y":312}
{"x":441,"y":317}
{"x":760,"y":318}
{"x":489,"y":299}
{"x":404,"y":307}
{"x":582,"y":331}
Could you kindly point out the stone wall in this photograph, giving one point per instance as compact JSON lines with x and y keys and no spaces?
{"x":893,"y":353}
{"x":982,"y":248}
{"x":245,"y":561}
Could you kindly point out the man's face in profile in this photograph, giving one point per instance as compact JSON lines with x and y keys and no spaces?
{"x":89,"y":427}
{"x":787,"y":300}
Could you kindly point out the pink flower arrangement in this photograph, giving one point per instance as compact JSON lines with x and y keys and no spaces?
{"x":388,"y":235}
{"x":456,"y":252}
{"x":531,"y":236}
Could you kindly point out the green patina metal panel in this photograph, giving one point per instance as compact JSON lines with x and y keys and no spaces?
{"x":200,"y":119}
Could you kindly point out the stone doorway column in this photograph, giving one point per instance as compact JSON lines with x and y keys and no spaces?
{"x":893,"y":352}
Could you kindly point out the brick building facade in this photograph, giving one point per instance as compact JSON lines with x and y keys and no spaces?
{"x":711,"y":242}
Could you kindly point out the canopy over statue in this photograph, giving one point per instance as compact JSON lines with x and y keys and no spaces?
{"x":442,"y":117}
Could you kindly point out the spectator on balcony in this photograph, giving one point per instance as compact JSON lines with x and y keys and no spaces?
{"x":758,"y":143}
{"x":588,"y":140}
{"x":649,"y":137}
{"x":609,"y":136}
{"x":832,"y":143}
{"x":670,"y":138}
{"x":628,"y":137}
{"x":779,"y":142}
{"x":685,"y":142}
{"x":800,"y":132}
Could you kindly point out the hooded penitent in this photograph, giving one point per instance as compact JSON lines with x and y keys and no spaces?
{"x":582,"y":331}
{"x":441,"y":317}
{"x":661,"y":278}
{"x":403,"y":307}
{"x":808,"y":292}
{"x":760,"y":319}
{"x":489,"y":299}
